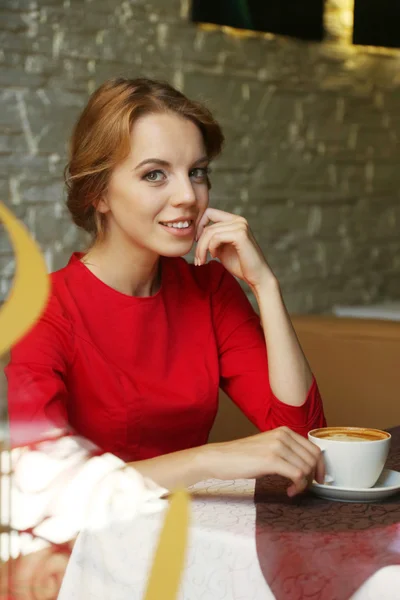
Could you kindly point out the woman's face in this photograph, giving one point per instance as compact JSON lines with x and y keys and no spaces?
{"x":157,"y":196}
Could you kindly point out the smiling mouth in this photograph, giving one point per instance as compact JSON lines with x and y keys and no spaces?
{"x":178,"y":224}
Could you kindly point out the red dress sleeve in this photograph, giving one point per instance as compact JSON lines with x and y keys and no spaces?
{"x":244,"y":363}
{"x":37,"y":394}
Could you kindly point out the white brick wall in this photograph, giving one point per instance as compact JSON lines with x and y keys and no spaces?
{"x":312,"y":155}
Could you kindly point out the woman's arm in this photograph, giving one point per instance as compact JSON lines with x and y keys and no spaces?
{"x":263,"y":369}
{"x":289,"y":373}
{"x":279,"y":452}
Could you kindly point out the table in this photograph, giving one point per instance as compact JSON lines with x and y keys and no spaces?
{"x":388,"y":311}
{"x":313,"y":548}
{"x":251,"y":542}
{"x":222,"y":555}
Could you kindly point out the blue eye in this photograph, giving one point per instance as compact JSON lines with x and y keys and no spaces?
{"x":155,"y":176}
{"x":200,"y":173}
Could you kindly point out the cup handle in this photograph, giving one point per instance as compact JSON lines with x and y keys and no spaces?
{"x":328,"y":478}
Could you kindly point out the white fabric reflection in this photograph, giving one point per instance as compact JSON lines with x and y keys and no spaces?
{"x":59,"y":487}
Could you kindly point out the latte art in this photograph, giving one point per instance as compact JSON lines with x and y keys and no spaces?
{"x":344,"y":437}
{"x":350,"y":434}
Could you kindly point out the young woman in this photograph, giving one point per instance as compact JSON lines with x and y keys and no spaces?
{"x":135,"y":342}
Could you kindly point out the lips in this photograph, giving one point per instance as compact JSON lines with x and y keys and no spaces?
{"x":182,"y":228}
{"x":178,"y":224}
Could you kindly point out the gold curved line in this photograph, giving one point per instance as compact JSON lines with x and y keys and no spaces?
{"x":169,"y":560}
{"x":22,"y":309}
{"x":31,"y":286}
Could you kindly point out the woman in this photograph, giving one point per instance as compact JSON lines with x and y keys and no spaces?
{"x":135,"y":342}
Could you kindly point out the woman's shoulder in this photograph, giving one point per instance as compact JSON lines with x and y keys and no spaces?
{"x":69,"y":282}
{"x":52,"y":330}
{"x":67,"y":272}
{"x":62,"y":286}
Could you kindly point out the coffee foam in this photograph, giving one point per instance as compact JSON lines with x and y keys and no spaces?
{"x":344,"y":437}
{"x":350,"y":434}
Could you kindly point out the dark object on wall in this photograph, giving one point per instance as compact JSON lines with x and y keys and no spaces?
{"x":377,"y":23}
{"x":296,"y":18}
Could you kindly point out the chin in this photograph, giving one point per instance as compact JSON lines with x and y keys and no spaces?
{"x":175,"y":250}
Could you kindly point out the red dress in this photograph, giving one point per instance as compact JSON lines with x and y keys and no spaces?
{"x":140,"y":376}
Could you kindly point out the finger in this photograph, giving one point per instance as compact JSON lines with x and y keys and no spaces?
{"x":205,"y":219}
{"x":313,"y":451}
{"x":295,"y":489}
{"x":212,"y":238}
{"x":307,"y":452}
{"x":296,"y":456}
{"x":280,"y":466}
{"x":315,"y":458}
{"x":218,"y":240}
{"x":210,"y":230}
{"x":221,"y":237}
{"x":293,"y":456}
{"x":214,"y":215}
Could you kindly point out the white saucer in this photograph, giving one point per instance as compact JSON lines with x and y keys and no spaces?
{"x":387,"y":485}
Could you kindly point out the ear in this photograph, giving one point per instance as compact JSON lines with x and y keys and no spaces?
{"x":102,"y":206}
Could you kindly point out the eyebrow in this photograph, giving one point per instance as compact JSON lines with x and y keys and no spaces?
{"x":165,"y":163}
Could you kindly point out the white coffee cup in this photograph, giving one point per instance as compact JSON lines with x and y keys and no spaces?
{"x":354,"y":456}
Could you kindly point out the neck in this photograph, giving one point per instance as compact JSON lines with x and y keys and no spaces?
{"x":129,"y":270}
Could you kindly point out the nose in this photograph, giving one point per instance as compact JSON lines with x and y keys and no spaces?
{"x":184,"y":193}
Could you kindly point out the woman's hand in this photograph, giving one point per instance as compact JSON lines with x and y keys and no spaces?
{"x":276,"y":452}
{"x":230,"y":240}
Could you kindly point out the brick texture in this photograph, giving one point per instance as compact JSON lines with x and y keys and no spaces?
{"x":312,"y":154}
